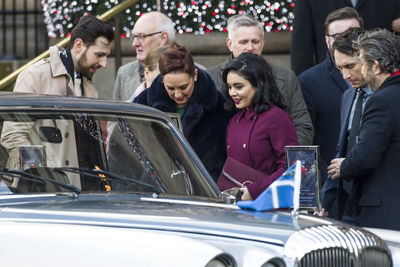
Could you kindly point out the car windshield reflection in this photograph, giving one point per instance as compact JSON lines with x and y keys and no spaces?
{"x":94,"y":152}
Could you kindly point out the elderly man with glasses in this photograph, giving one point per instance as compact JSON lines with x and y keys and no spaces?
{"x":150,"y":31}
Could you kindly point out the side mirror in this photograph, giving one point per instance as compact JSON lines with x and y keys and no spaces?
{"x":231,"y":195}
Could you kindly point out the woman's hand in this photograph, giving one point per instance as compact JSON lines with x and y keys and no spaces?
{"x":246,"y":194}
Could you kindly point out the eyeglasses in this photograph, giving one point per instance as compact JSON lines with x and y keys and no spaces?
{"x":141,"y":37}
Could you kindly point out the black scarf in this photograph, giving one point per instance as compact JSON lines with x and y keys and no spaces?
{"x":66,"y":58}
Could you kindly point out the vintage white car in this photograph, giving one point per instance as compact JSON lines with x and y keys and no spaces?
{"x":96,"y":183}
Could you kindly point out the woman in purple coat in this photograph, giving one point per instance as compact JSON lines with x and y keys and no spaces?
{"x":258,"y":133}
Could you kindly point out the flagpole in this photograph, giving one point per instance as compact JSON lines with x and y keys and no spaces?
{"x":297,"y":184}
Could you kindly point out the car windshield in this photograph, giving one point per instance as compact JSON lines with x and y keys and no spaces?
{"x":95,"y":152}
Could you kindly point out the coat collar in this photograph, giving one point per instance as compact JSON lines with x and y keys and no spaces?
{"x":390,"y":81}
{"x":56,"y":65}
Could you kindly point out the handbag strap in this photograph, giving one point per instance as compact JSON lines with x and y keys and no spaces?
{"x":233,"y":180}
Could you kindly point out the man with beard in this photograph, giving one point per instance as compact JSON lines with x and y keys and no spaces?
{"x":90,"y":45}
{"x":351,"y":106}
{"x":246,"y":34}
{"x":67,"y":73}
{"x":373,"y":163}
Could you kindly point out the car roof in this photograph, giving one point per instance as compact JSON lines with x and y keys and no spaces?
{"x":23,"y":100}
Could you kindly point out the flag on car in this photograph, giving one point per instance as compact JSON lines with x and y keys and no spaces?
{"x":282,"y":193}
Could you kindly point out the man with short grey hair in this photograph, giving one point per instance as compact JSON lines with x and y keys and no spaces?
{"x":246,"y":34}
{"x":373,"y":163}
{"x":150,"y":31}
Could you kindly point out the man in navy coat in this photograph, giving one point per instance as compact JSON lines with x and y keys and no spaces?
{"x":374,"y":162}
{"x":323,"y":86}
{"x":346,"y":60}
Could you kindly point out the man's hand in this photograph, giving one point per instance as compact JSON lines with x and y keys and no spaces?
{"x":396,"y":25}
{"x":334,"y":168}
{"x":246,"y":194}
{"x":321,"y":213}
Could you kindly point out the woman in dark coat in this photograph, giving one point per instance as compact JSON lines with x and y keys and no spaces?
{"x":258,"y":133}
{"x":185,"y":89}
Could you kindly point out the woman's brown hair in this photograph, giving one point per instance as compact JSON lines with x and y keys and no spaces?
{"x":176,"y":58}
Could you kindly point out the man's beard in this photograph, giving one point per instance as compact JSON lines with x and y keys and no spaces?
{"x":83,"y":69}
{"x":371,"y":79}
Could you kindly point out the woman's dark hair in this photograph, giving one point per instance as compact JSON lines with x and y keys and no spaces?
{"x":258,"y":72}
{"x":176,"y":58}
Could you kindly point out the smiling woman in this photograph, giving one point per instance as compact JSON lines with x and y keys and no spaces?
{"x":185,"y":89}
{"x":257,"y":135}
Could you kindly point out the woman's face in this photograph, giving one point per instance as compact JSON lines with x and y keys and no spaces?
{"x":179,"y":86}
{"x":240,"y":90}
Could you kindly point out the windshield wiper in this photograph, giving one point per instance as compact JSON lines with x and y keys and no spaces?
{"x":38,"y":179}
{"x":95,"y":173}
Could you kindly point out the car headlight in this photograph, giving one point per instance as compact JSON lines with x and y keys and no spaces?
{"x":222,"y":260}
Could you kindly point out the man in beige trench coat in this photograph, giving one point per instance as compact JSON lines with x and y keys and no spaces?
{"x":66,"y":72}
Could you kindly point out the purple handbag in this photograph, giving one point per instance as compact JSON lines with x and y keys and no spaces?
{"x":237,"y":174}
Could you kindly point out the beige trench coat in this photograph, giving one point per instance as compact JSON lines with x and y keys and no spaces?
{"x":48,"y":76}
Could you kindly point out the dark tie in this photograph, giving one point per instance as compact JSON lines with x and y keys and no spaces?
{"x":355,"y":126}
{"x":354,"y":133}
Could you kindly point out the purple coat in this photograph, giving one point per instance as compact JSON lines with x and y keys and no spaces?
{"x":259,"y":140}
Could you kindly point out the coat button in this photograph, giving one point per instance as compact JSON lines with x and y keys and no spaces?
{"x":244,"y":145}
{"x":66,"y":135}
{"x":228,"y":146}
{"x":67,"y":163}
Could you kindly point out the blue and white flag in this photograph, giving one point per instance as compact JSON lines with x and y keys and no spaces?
{"x":282,"y":193}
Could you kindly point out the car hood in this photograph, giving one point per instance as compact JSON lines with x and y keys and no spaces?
{"x":162,"y":214}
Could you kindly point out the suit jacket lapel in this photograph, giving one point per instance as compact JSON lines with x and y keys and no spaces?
{"x":347,"y":103}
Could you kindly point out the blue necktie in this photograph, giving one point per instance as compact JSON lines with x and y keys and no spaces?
{"x":354,"y":2}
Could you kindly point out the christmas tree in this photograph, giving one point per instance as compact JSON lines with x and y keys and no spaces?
{"x":198,"y":17}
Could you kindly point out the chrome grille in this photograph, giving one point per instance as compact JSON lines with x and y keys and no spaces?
{"x":330,"y":257}
{"x":337,"y":245}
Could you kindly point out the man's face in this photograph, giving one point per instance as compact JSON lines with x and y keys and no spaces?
{"x":145,"y":25}
{"x":93,"y":57}
{"x":337,"y":27}
{"x":246,"y":39}
{"x":350,"y":67}
{"x":368,"y":73}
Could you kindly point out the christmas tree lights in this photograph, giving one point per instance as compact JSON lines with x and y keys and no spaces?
{"x":194,"y":16}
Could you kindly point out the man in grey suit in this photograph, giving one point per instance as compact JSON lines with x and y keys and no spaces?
{"x":246,"y":34}
{"x":151,"y":30}
{"x":346,"y":59}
